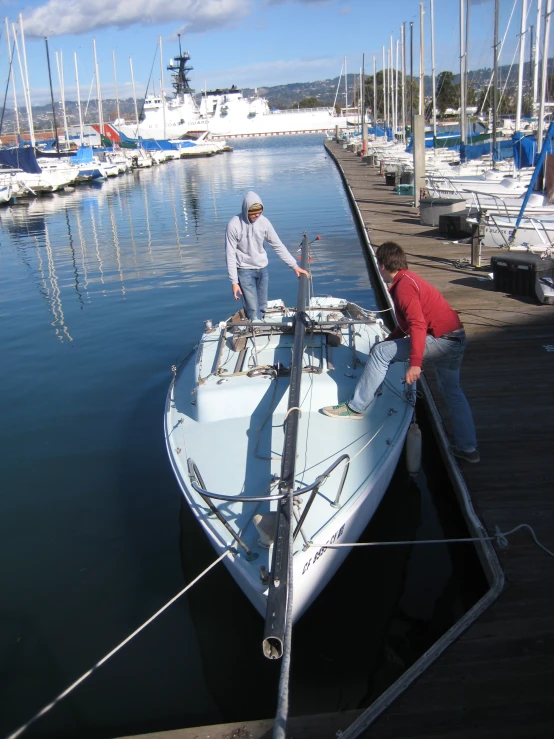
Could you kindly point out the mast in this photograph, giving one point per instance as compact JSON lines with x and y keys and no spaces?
{"x":59,"y":66}
{"x":78,"y":98}
{"x":466,"y":64}
{"x":536,"y":59}
{"x":363,"y":109}
{"x":181,"y":82}
{"x":162,"y":89}
{"x":412,"y":77}
{"x":375,"y":94}
{"x":134,"y":94}
{"x":385,"y":110}
{"x":495,"y":78}
{"x":280,"y":590}
{"x":433,"y":84}
{"x":392,"y":89}
{"x":403,"y":35}
{"x":345,"y":88}
{"x":521,"y":62}
{"x":52,"y":96}
{"x":98,"y":95}
{"x":396,"y":90}
{"x":463,"y":126}
{"x":544,"y":71}
{"x":115,"y":84}
{"x":10,"y":56}
{"x":26,"y":82}
{"x":421,"y":61}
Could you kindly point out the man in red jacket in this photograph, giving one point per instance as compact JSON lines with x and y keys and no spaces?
{"x":428,"y":329}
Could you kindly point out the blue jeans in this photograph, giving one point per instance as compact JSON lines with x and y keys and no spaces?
{"x":254,"y":285}
{"x":446,"y":357}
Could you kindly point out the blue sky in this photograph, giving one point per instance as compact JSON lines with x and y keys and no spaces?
{"x":249,"y":43}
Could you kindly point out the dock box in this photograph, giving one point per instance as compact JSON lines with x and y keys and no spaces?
{"x":390,"y":179}
{"x":431,"y":209}
{"x":405,"y":189}
{"x":522,"y":274}
{"x":454,"y":226}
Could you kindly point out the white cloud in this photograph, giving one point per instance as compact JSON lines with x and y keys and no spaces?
{"x":59,"y":17}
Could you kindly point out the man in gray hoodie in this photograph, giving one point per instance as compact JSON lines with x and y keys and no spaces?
{"x":247,"y":259}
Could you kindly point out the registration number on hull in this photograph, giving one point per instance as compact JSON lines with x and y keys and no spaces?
{"x":321,"y":551}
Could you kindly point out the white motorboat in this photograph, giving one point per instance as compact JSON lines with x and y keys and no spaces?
{"x":245,"y":432}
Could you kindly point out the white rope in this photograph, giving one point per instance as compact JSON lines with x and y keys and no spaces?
{"x":294,"y":408}
{"x":499,"y":537}
{"x":119,"y":646}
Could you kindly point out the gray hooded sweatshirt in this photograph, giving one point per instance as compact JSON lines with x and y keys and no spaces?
{"x":244,"y":241}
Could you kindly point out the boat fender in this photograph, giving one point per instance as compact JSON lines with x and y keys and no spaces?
{"x":413,"y":449}
{"x":265,"y":525}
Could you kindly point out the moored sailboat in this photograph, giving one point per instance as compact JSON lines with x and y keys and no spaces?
{"x":271,"y":480}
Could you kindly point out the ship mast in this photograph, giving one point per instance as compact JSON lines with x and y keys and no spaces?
{"x":181,"y":82}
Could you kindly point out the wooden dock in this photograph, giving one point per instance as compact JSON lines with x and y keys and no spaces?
{"x":497,"y":678}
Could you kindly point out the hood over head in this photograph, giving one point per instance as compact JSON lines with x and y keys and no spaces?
{"x":249,"y":200}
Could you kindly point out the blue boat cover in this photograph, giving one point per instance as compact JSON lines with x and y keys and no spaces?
{"x":153,"y":144}
{"x":525,"y":149}
{"x":83,"y":155}
{"x":20,"y":158}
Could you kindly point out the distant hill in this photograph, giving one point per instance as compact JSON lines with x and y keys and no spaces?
{"x":279,"y":96}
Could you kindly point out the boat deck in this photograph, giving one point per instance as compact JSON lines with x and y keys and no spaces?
{"x":498,"y":678}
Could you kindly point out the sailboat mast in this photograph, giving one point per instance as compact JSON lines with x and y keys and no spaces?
{"x":375,"y":94}
{"x":495,"y":78}
{"x":345,"y":87}
{"x":433,"y":84}
{"x":52,"y":95}
{"x":421,"y":61}
{"x":385,"y":110}
{"x":162,"y":93}
{"x":521,"y":63}
{"x":11,"y":52}
{"x":392,"y":89}
{"x":412,"y":78}
{"x":98,"y":95}
{"x":59,"y":67}
{"x":403,"y":35}
{"x":463,"y":126}
{"x":547,"y":14}
{"x":27,"y":89}
{"x":280,"y":589}
{"x":536,"y":60}
{"x":78,"y":99}
{"x":115,"y":84}
{"x":134,"y":93}
{"x":396,"y":89}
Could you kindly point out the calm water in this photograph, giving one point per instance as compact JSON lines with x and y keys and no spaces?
{"x":101,"y":290}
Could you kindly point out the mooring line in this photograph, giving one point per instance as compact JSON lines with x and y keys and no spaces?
{"x":499,"y":537}
{"x":119,"y":646}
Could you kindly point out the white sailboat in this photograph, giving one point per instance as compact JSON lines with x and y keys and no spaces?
{"x":245,"y":437}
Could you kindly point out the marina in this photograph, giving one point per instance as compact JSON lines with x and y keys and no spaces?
{"x":228,"y":512}
{"x":107,"y":285}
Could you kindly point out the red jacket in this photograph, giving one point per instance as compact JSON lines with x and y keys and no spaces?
{"x":420,"y":310}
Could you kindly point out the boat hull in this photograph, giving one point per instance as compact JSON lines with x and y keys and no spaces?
{"x":224,"y":434}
